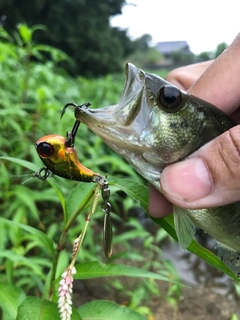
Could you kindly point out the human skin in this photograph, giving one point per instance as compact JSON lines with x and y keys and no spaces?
{"x":210,"y":176}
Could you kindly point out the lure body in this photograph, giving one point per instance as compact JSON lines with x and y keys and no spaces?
{"x":62,"y":160}
{"x":60,"y":157}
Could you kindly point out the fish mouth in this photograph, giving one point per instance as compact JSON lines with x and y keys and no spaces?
{"x":126,"y":127}
{"x":122,"y":124}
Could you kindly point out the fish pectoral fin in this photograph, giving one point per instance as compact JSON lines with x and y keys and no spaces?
{"x":230,"y":257}
{"x":153,"y":158}
{"x":184,"y":227}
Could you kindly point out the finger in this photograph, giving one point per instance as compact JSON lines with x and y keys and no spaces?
{"x":220,"y":83}
{"x":209,"y":177}
{"x":185,"y":77}
{"x":158,"y":205}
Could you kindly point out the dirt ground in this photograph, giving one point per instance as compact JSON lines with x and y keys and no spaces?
{"x":197,"y":304}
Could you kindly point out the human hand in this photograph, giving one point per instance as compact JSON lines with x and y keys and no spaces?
{"x":211,"y":176}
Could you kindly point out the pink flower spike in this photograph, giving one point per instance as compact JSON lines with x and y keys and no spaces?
{"x":65,"y":291}
{"x":69,"y":279}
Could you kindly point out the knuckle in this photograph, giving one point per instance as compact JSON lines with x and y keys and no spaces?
{"x":229,"y":151}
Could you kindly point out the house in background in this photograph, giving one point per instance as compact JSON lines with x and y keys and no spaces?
{"x":167,"y":48}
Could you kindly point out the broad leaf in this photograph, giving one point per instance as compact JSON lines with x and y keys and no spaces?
{"x":10,"y":299}
{"x":79,"y":197}
{"x":36,"y":309}
{"x":107,"y":310}
{"x":95,"y":269}
{"x":23,"y":163}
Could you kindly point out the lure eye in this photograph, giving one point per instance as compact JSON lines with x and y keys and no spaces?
{"x":169,"y":98}
{"x":44,"y":149}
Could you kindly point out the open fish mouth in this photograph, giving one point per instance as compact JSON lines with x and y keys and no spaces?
{"x":124,"y":124}
{"x":127,"y":126}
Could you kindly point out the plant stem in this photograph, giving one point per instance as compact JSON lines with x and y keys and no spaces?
{"x":62,"y":240}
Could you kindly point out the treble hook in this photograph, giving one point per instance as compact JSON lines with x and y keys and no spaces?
{"x":71,"y":134}
{"x":86,"y":104}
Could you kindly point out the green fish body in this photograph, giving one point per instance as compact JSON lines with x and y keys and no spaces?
{"x":156,"y":124}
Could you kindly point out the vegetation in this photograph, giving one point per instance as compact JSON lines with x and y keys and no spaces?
{"x":206,"y":55}
{"x":40,"y":219}
{"x":144,"y":54}
{"x":79,"y":28}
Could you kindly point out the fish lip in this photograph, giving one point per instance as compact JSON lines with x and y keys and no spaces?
{"x":94,"y":117}
{"x":111,"y":115}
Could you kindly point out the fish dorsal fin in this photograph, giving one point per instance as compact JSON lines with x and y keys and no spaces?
{"x":230,"y":257}
{"x":185,"y":228}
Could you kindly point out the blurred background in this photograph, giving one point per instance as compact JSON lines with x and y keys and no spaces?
{"x":100,"y":36}
{"x":55,"y":52}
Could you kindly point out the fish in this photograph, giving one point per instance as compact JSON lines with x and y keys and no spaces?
{"x":156,"y":124}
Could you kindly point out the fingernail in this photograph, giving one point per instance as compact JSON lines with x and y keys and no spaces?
{"x":187,"y":180}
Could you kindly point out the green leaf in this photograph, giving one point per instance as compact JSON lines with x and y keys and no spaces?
{"x":35,"y":168}
{"x":10,"y":298}
{"x":107,"y":310}
{"x":96,"y":269}
{"x":136,"y":190}
{"x":25,"y":32}
{"x":4,"y":34}
{"x":26,"y":197}
{"x":79,"y":197}
{"x":23,"y":163}
{"x":139,"y":192}
{"x":29,"y":262}
{"x":43,"y":239}
{"x":36,"y":309}
{"x":59,"y":193}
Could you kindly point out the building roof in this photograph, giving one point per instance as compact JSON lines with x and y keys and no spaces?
{"x":167,"y":47}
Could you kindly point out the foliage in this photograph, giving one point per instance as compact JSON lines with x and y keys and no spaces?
{"x":220,"y":48}
{"x":204,"y":56}
{"x":144,"y":55}
{"x":41,"y":219}
{"x":149,"y":58}
{"x":180,"y":57}
{"x":207,"y":55}
{"x":79,"y":28}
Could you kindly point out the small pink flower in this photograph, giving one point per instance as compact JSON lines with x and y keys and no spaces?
{"x":65,"y":291}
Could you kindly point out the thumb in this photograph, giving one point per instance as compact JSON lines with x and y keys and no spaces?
{"x":209,"y":177}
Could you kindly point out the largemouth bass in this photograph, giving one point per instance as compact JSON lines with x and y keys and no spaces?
{"x":156,"y":124}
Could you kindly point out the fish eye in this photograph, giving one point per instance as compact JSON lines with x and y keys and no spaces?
{"x":169,"y":98}
{"x":44,"y":149}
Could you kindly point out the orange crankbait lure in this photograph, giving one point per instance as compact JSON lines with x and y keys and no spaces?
{"x":60,"y":158}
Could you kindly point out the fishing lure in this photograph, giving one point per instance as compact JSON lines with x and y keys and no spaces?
{"x":60,"y":158}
